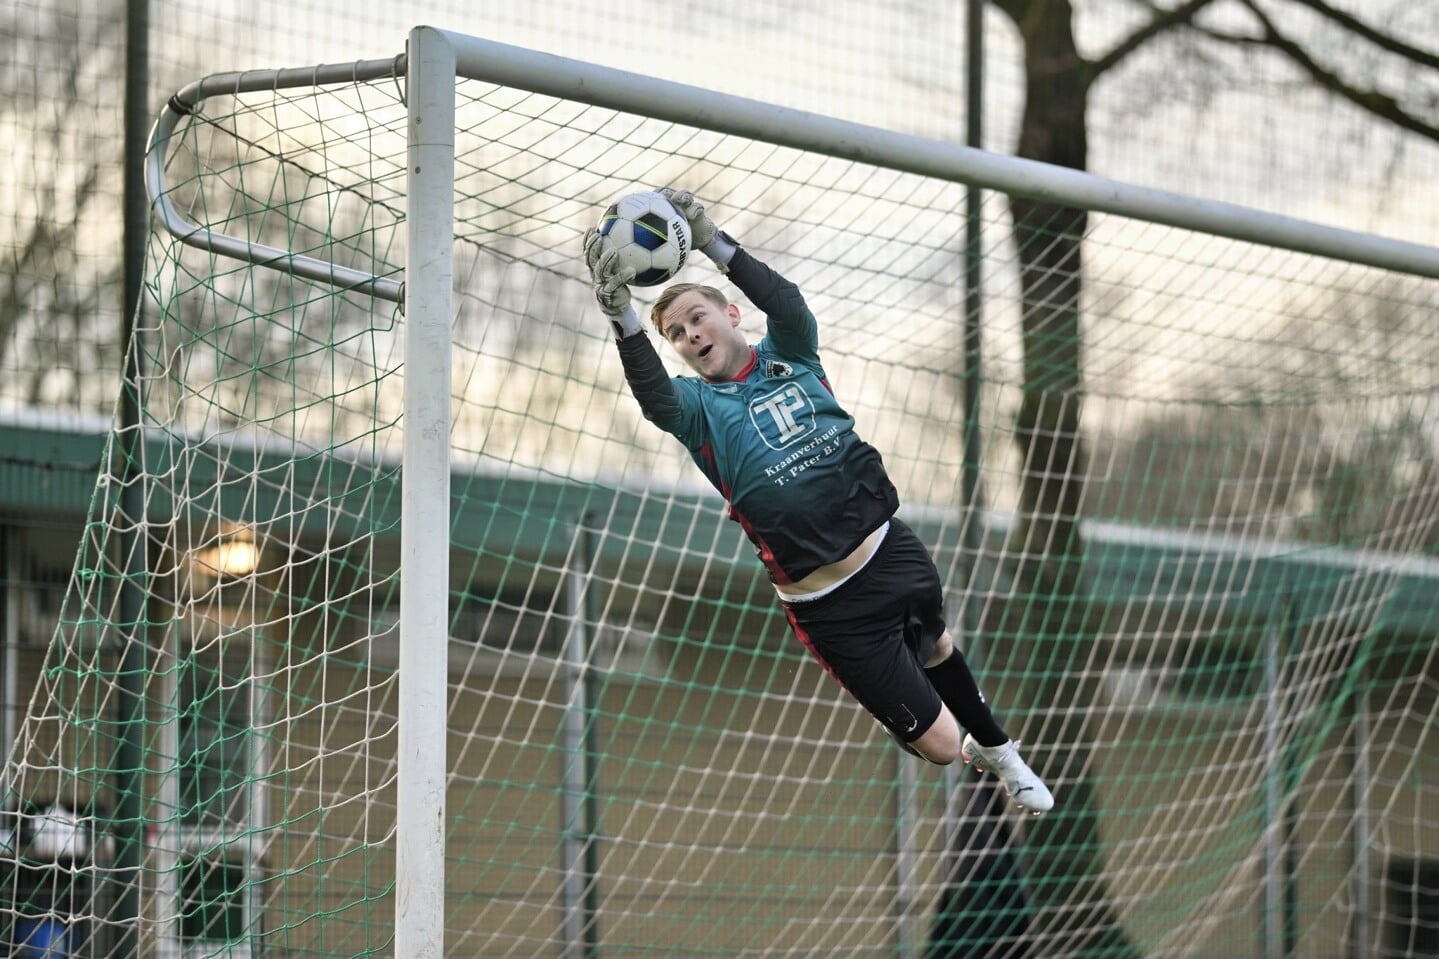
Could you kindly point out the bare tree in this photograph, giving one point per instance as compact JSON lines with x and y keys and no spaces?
{"x":1048,"y":622}
{"x":1296,"y":444}
{"x":58,"y":309}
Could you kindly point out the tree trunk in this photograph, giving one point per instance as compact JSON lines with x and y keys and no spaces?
{"x":1047,"y":625}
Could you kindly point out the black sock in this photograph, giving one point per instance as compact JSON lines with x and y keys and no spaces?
{"x":956,"y":686}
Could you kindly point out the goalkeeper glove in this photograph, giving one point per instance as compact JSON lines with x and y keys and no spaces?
{"x":610,"y":281}
{"x":611,"y":285}
{"x":702,"y":228}
{"x":707,"y":238}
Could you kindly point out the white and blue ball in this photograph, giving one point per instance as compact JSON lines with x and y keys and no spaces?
{"x":652,"y":237}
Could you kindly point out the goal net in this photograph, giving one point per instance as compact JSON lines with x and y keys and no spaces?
{"x":1182,"y":486}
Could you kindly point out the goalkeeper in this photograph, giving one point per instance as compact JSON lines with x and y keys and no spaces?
{"x":858,"y":587}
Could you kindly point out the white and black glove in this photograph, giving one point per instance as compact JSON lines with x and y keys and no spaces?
{"x":611,"y":284}
{"x":706,"y":237}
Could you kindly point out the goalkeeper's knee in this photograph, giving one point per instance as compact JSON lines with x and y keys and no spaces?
{"x":939,"y":744}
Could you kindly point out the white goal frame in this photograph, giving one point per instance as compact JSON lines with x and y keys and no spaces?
{"x":433,"y":60}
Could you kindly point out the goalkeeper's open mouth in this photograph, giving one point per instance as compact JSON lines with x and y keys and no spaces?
{"x":705,"y":350}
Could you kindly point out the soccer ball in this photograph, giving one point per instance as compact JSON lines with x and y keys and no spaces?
{"x":652,"y":237}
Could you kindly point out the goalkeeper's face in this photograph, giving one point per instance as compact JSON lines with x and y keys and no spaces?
{"x":706,"y":334}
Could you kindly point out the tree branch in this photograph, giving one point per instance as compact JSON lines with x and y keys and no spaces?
{"x":1160,"y":21}
{"x":1383,"y":41}
{"x":1379,"y":104}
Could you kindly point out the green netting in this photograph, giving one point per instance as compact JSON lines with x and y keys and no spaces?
{"x":1193,"y":554}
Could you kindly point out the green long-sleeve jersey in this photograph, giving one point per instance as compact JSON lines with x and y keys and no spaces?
{"x":774,"y":441}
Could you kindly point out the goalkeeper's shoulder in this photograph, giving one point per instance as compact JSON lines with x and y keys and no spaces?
{"x":779,"y":297}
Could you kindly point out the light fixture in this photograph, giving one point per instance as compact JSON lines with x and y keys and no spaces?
{"x":234,"y":555}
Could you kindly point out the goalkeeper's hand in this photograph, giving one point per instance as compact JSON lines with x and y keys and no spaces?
{"x":611,"y":284}
{"x":702,"y":228}
{"x":707,"y":238}
{"x":610,"y":281}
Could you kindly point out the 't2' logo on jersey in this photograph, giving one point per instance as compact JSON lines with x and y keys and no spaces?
{"x":782,"y":417}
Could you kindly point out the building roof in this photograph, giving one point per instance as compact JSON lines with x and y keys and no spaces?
{"x":51,"y":462}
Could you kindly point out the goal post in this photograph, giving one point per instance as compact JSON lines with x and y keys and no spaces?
{"x":421,"y":771}
{"x":448,"y":652}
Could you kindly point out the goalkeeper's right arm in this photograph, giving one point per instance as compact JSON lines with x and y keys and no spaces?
{"x":651,"y":385}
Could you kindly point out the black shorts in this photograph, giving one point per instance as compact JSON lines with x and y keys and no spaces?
{"x":875,"y":632}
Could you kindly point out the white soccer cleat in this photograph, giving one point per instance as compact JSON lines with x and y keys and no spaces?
{"x":1020,"y":782}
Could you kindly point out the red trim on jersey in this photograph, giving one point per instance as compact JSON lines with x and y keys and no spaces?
{"x":766,"y":555}
{"x":709,"y":457}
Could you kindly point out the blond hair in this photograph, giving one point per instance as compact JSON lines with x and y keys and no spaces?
{"x":672,"y":293}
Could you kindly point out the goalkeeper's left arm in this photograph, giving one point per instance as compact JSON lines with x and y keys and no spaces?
{"x":790,"y":323}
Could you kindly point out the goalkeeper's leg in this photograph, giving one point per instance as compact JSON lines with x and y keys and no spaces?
{"x":986,"y":745}
{"x":951,"y":678}
{"x":867,"y":653}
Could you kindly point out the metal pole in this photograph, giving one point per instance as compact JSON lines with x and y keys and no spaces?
{"x":906,"y":802}
{"x":973,"y":259}
{"x":425,"y":501}
{"x":127,"y":826}
{"x":1281,"y":764}
{"x":1292,"y":773}
{"x":971,"y":636}
{"x":973,"y":306}
{"x":13,"y":597}
{"x":578,"y":850}
{"x":1359,"y":795}
{"x":1273,"y":834}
